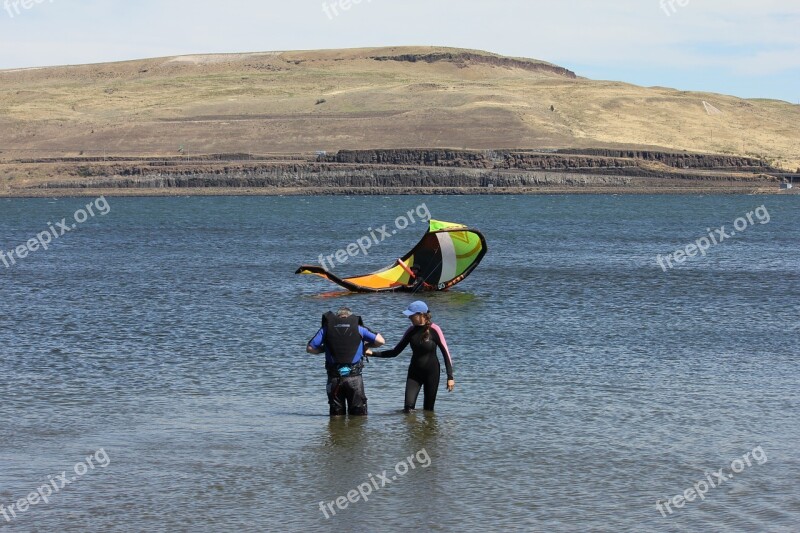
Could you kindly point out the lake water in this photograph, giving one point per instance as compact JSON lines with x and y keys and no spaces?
{"x":158,"y":350}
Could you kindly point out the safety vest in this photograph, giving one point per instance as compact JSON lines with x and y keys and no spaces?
{"x":342,"y":337}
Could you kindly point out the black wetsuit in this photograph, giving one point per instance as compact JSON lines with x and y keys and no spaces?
{"x":424,"y":369}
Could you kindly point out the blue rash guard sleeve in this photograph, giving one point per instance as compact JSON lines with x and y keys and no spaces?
{"x":367,"y":334}
{"x":316,"y":342}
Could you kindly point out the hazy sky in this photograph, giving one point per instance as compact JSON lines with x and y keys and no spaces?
{"x":746,"y":48}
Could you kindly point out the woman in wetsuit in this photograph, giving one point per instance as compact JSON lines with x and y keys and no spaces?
{"x":424,"y":337}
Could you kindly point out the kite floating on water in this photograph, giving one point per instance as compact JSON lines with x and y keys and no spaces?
{"x":446,"y":255}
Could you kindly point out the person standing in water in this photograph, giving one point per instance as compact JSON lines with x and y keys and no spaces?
{"x":342,"y":338}
{"x":424,"y":337}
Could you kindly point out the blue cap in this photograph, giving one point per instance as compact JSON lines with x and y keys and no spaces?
{"x":416,"y":307}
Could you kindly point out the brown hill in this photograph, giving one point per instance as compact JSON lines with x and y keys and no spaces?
{"x":403,"y":97}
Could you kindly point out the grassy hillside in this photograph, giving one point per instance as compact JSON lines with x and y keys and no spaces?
{"x":300,"y":102}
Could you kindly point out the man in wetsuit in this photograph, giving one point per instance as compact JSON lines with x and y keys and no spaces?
{"x":342,"y":338}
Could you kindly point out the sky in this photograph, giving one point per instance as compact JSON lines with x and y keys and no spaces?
{"x":749,"y":49}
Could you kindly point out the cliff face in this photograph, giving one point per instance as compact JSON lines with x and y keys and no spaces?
{"x":437,"y":158}
{"x":395,"y":171}
{"x":680,"y":160}
{"x":337,"y":179}
{"x":560,"y":160}
{"x":464,"y":59}
{"x":414,"y":171}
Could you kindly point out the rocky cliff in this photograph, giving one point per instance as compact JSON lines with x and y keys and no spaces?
{"x":407,"y":171}
{"x":463,"y":59}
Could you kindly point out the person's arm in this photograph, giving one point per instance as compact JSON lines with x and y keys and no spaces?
{"x":394,"y":352}
{"x":371,"y":339}
{"x":448,"y":361}
{"x":315,"y":344}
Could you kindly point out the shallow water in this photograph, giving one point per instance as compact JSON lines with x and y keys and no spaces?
{"x":591,"y":384}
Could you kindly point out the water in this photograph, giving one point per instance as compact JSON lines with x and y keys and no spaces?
{"x":591,"y":384}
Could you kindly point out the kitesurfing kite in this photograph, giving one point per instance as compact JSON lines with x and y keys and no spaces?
{"x":446,"y":255}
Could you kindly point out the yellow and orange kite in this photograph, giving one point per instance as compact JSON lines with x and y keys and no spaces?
{"x":446,"y":255}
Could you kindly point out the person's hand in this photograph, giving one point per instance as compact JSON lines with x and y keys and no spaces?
{"x":368,"y":352}
{"x":451,"y":384}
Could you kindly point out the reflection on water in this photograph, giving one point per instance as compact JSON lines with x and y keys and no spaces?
{"x":345,"y":432}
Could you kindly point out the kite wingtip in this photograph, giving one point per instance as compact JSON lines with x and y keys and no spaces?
{"x":311,"y":269}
